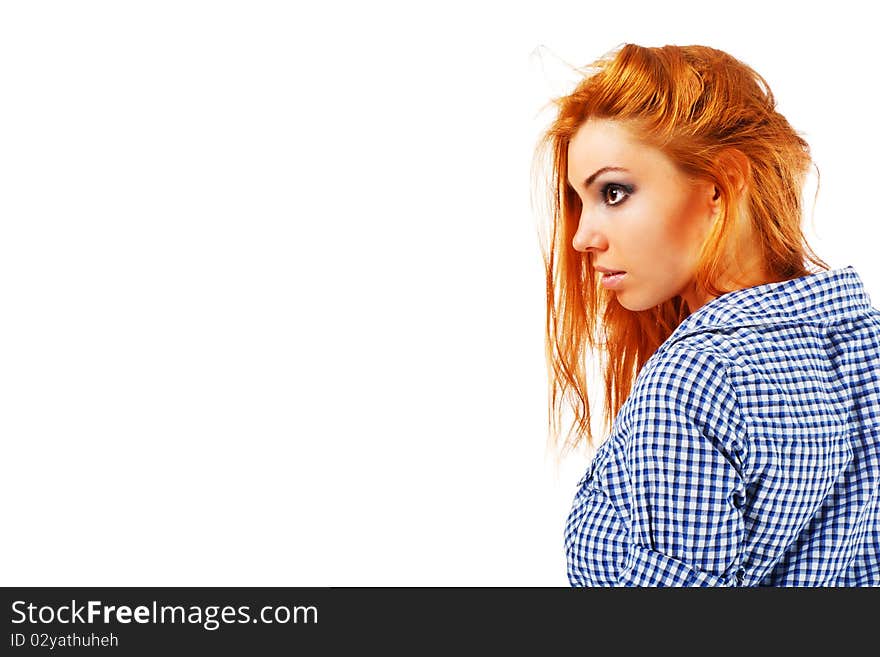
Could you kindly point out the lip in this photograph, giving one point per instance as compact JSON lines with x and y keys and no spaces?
{"x":612,"y":281}
{"x":605,"y":270}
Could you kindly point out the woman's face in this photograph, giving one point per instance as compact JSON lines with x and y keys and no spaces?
{"x":646,"y":219}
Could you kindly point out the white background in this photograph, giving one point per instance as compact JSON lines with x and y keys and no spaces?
{"x":271,"y":295}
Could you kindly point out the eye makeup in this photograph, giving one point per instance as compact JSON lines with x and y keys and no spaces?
{"x":617,"y":189}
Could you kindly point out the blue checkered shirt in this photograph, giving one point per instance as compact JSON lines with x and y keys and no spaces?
{"x":748,"y":452}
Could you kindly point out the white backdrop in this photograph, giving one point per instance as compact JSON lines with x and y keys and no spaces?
{"x":271,"y":290}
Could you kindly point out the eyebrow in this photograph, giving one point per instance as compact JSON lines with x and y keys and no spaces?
{"x":589,"y":181}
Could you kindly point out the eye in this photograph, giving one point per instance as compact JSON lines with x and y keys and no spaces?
{"x":614,"y":193}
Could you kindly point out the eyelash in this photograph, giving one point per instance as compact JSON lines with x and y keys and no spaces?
{"x":603,"y":193}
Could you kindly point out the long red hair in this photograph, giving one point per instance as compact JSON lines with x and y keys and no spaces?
{"x":697,"y":105}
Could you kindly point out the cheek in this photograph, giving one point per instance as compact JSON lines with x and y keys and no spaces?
{"x":683,"y":227}
{"x":658,"y":235}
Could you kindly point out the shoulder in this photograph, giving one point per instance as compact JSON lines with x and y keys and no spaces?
{"x":684,"y":398}
{"x":686,"y":373}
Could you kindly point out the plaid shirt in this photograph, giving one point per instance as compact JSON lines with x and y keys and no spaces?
{"x":748,"y":452}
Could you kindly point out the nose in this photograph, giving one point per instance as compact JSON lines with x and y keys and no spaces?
{"x":588,"y":237}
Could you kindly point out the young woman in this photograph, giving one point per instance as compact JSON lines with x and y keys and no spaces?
{"x":744,"y":387}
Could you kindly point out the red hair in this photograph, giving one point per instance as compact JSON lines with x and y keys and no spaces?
{"x":707,"y":111}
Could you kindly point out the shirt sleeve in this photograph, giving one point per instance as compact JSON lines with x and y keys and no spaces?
{"x":683,"y":453}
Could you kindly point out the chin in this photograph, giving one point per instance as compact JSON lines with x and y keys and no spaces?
{"x":637,"y":304}
{"x":635,"y":307}
{"x":628,"y":302}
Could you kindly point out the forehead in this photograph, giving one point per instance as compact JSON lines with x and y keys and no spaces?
{"x":602,"y":142}
{"x":604,"y":133}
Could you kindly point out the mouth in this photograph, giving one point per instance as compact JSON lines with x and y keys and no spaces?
{"x":612,"y":280}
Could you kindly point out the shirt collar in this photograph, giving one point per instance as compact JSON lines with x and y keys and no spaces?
{"x":821,"y":297}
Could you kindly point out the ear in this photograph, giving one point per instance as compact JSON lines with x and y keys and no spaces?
{"x":735,"y":166}
{"x":736,"y":169}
